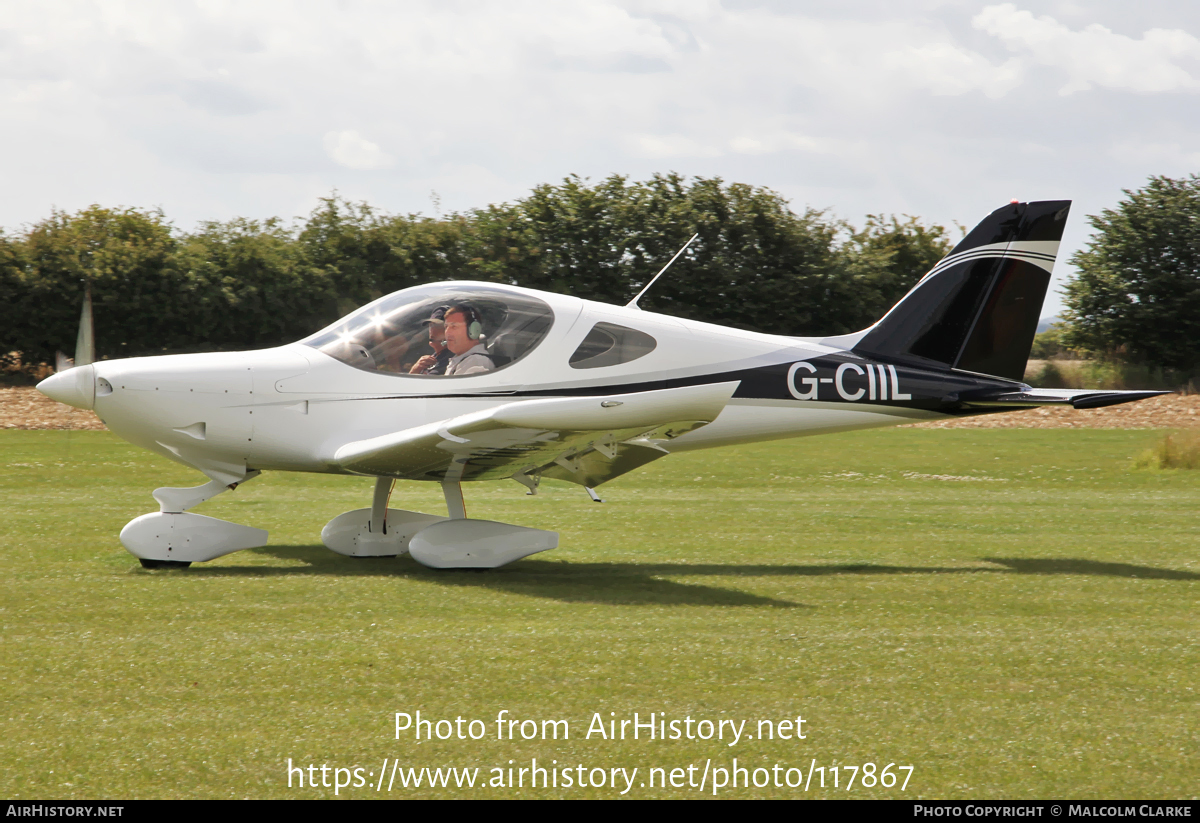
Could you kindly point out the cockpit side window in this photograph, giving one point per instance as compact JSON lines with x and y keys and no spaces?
{"x":392,"y":334}
{"x":608,"y":344}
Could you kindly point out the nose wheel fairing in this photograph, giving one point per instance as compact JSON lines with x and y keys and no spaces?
{"x":172,"y":536}
{"x":181,"y":537}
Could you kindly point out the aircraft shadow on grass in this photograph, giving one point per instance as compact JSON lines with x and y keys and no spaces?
{"x":606,"y":583}
{"x":1067,"y":565}
{"x":645,"y":583}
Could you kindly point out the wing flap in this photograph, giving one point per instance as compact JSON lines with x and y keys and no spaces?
{"x":601,"y":461}
{"x":583,"y":439}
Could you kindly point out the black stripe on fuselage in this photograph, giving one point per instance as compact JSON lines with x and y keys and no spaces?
{"x":835,"y":378}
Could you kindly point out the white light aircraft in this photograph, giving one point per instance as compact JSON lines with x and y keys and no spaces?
{"x":534,"y":385}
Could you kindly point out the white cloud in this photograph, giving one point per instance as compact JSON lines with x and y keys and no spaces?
{"x":1096,"y":55}
{"x":946,"y":69}
{"x":866,"y":62}
{"x":769,"y":141}
{"x":1170,"y":157}
{"x":671,"y":146}
{"x":352,"y":150}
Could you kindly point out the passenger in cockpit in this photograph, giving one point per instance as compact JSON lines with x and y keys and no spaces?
{"x":434,"y":363}
{"x":464,"y":337}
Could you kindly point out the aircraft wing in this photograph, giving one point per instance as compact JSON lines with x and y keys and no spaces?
{"x":586,"y":440}
{"x":1079,"y":398}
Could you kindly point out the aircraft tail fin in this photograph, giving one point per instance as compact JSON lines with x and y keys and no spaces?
{"x":977,"y":310}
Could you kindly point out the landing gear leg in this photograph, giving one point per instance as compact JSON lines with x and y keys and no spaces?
{"x":379,"y":505}
{"x":456,"y":504}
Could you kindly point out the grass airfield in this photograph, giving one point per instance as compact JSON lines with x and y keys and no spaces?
{"x":1013,"y":613}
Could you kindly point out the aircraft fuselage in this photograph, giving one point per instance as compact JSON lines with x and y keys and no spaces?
{"x":291,"y":408}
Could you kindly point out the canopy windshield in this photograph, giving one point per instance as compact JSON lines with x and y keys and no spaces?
{"x":392,"y":334}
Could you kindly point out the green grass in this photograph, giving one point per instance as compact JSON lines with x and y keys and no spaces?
{"x":1176,"y":450}
{"x":1011,"y":612}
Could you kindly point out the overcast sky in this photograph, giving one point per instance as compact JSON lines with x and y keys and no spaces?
{"x":945,"y":110}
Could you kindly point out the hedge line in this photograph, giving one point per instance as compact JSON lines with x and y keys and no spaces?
{"x":254,"y":283}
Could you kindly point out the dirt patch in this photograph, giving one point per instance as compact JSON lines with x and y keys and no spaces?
{"x":24,"y":407}
{"x":27,"y":408}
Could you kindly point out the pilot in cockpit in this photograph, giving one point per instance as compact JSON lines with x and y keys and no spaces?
{"x":434,"y":363}
{"x":464,"y":338}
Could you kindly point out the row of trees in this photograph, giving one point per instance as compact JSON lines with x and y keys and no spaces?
{"x":756,"y":264}
{"x":1136,"y":297}
{"x":250,"y":283}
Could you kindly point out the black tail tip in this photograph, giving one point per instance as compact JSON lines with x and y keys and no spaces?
{"x":1039,"y":221}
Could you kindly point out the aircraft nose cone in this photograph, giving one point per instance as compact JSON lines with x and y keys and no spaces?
{"x":75,"y":387}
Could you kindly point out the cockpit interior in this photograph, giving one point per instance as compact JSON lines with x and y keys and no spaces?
{"x":392,"y":334}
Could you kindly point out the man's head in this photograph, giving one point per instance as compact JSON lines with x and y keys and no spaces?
{"x":463,"y":328}
{"x":437,"y":328}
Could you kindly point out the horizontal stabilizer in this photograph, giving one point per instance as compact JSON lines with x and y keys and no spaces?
{"x":1079,"y":398}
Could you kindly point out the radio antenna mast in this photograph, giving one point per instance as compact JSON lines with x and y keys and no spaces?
{"x":632,"y":304}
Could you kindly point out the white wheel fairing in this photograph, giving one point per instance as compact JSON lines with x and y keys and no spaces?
{"x":477,"y":544}
{"x":187,"y":538}
{"x":350,"y":533}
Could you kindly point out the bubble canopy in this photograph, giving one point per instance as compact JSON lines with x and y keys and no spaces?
{"x":392,"y":333}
